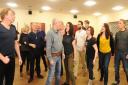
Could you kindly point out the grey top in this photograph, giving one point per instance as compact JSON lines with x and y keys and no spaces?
{"x":53,"y":43}
{"x":121,"y":40}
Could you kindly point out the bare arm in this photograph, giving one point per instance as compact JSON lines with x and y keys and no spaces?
{"x":18,"y":51}
{"x":96,"y":52}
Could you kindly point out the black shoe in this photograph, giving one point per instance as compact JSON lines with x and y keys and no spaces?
{"x":40,"y":76}
{"x":65,"y":83}
{"x":30,"y":80}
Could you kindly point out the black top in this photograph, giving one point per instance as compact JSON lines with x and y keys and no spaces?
{"x":7,"y":40}
{"x":89,"y":46}
{"x":24,"y":42}
{"x":41,"y":39}
{"x":121,"y":40}
{"x":34,"y":38}
{"x":111,"y":43}
{"x":67,"y":42}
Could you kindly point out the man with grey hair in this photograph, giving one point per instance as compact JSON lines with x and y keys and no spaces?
{"x":54,"y":48}
{"x":121,"y":50}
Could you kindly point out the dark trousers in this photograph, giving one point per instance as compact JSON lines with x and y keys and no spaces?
{"x":43,"y":54}
{"x":121,"y":56}
{"x":25,"y":55}
{"x":7,"y":72}
{"x":104,"y":59}
{"x":34,"y":56}
{"x":69,"y":66}
{"x":90,"y":57}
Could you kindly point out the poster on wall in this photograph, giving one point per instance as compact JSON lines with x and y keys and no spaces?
{"x":38,"y":25}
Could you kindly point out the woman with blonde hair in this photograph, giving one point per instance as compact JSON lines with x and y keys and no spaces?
{"x":24,"y":49}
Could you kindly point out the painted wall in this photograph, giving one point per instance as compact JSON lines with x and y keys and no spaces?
{"x":22,"y":18}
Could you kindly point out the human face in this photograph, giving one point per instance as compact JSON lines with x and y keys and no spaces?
{"x":103,"y":29}
{"x":121,"y":25}
{"x":67,"y":27}
{"x":88,"y":31}
{"x":86,"y":24}
{"x":10,"y":16}
{"x":79,"y":25}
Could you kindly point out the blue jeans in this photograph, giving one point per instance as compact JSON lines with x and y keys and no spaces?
{"x":121,"y":55}
{"x":55,"y":68}
{"x":104,"y":59}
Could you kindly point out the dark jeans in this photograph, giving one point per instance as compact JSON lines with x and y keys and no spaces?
{"x":43,"y":54}
{"x":34,"y":56}
{"x":7,"y":72}
{"x":90,"y":57}
{"x":121,"y":56}
{"x":25,"y":55}
{"x":69,"y":66}
{"x":104,"y":59}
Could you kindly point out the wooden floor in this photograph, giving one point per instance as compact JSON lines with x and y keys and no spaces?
{"x":80,"y":80}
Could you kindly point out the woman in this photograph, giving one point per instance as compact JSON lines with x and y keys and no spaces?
{"x":105,"y":44}
{"x":24,"y":49}
{"x":68,"y":42}
{"x":91,"y":52}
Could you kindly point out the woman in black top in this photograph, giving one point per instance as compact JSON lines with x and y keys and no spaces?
{"x":24,"y":48}
{"x":91,"y":52}
{"x":68,"y":41}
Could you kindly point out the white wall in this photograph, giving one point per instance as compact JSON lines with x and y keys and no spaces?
{"x":22,"y":18}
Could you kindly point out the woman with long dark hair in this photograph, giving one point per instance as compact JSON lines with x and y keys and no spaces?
{"x":68,"y":42}
{"x":105,"y":44}
{"x":91,"y":52}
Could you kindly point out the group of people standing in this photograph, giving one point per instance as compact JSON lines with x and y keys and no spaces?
{"x":83,"y":45}
{"x":70,"y":46}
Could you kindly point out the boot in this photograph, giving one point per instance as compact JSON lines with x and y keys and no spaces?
{"x":90,"y":82}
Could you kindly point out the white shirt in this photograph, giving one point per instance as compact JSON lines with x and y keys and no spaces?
{"x":80,"y":38}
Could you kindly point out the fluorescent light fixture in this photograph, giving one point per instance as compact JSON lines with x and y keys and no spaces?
{"x":97,"y":14}
{"x":74,"y":11}
{"x":46,"y":8}
{"x":11,"y":4}
{"x":118,"y":8}
{"x":90,"y":3}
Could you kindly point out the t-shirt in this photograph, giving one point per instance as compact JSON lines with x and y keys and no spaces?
{"x":80,"y":38}
{"x":104,"y":45}
{"x":7,"y":40}
{"x":121,"y":40}
{"x":89,"y":46}
{"x":67,"y":42}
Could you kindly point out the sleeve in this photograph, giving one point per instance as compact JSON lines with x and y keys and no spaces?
{"x":20,"y":39}
{"x":93,"y":41}
{"x":98,"y":37}
{"x":48,"y":45}
{"x":112,"y":44}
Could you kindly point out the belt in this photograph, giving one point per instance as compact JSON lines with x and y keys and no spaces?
{"x":56,"y":54}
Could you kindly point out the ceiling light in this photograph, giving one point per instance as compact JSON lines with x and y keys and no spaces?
{"x":46,"y":8}
{"x":74,"y":11}
{"x":90,"y":3}
{"x":97,"y":14}
{"x":12,"y":4}
{"x":118,"y":8}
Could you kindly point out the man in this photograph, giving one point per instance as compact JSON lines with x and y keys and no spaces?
{"x":86,"y":23}
{"x":121,"y":47}
{"x":42,"y":42}
{"x":80,"y":38}
{"x":54,"y":48}
{"x":34,"y":43}
{"x":8,"y":47}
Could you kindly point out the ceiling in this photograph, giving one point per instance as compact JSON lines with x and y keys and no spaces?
{"x":64,"y":6}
